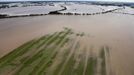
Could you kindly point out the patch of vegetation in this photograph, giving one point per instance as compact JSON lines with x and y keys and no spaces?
{"x":68,"y":70}
{"x":50,"y":39}
{"x":91,"y":66}
{"x":59,"y":68}
{"x":36,"y":56}
{"x":80,"y":34}
{"x":3,"y":15}
{"x":15,"y":53}
{"x":103,"y":63}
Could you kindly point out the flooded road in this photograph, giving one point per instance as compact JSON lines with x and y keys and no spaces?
{"x":113,"y":30}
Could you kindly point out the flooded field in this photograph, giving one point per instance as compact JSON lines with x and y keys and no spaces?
{"x":94,"y":45}
{"x":29,"y":10}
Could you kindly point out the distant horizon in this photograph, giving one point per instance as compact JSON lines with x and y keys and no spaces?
{"x":69,"y":0}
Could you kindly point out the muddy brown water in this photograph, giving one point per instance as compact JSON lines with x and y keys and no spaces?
{"x":113,"y":30}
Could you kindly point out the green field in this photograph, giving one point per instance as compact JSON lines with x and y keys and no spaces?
{"x":60,"y":53}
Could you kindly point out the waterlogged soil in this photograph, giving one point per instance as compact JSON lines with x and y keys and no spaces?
{"x":112,"y":30}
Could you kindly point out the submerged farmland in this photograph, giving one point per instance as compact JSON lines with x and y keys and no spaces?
{"x":66,"y":38}
{"x":61,"y":8}
{"x":60,"y":53}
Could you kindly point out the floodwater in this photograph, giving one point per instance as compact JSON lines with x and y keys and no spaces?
{"x":29,"y":10}
{"x":113,"y":30}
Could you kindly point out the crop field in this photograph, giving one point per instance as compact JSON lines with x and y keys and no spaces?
{"x":60,"y":53}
